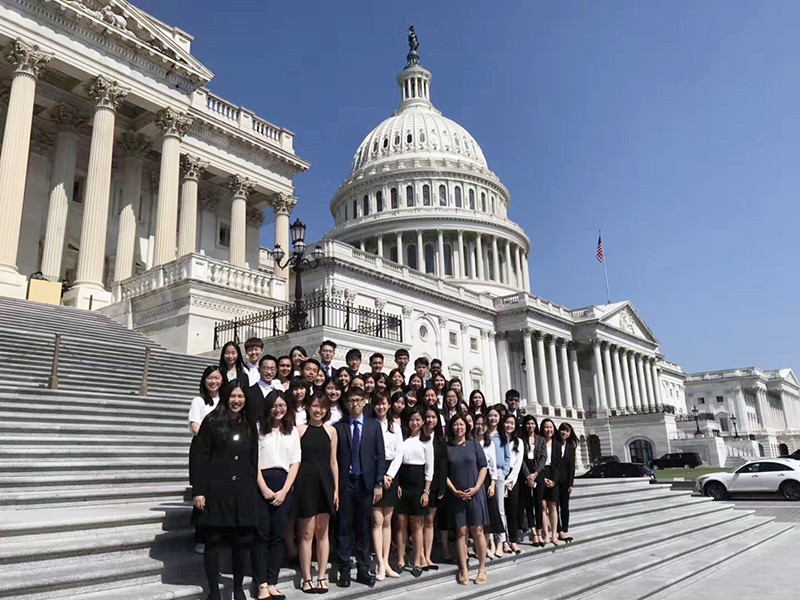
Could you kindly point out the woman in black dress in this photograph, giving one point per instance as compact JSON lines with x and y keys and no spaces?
{"x":226,"y":486}
{"x":568,"y":444}
{"x":465,"y":502}
{"x":232,"y":365}
{"x":433,"y":427}
{"x":530,"y":473}
{"x":316,"y":492}
{"x":550,"y":491}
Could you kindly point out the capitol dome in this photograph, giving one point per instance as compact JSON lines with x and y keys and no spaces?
{"x":420,"y":194}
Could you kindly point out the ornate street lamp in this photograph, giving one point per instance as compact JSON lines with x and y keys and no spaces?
{"x":696,"y":414}
{"x":298,"y":317}
{"x":735,"y":431}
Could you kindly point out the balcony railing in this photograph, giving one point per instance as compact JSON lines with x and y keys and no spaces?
{"x":320,"y":311}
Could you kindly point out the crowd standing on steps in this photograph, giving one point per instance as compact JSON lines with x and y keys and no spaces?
{"x":290,"y":453}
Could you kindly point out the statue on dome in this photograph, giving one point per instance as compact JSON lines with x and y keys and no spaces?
{"x":413,"y":44}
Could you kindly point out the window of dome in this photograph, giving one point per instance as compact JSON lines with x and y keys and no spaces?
{"x":492,"y":205}
{"x":426,"y":195}
{"x":430,"y":263}
{"x":472,"y":199}
{"x":445,"y":139}
{"x":393,"y":195}
{"x":366,"y":205}
{"x":483,"y":202}
{"x":448,"y":260}
{"x":375,"y":146}
{"x":421,"y":137}
{"x":379,"y":201}
{"x":458,"y":143}
{"x":385,"y":143}
{"x":396,"y":139}
{"x":355,"y":208}
{"x":434,"y":139}
{"x":442,"y":195}
{"x":458,"y":196}
{"x":410,"y":195}
{"x":409,"y":139}
{"x":411,"y":256}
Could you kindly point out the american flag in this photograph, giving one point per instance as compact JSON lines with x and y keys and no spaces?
{"x":600,"y":248}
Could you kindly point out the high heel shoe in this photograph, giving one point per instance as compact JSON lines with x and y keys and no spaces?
{"x":481,"y":578}
{"x":263,"y":588}
{"x":307,"y":587}
{"x":463,"y":578}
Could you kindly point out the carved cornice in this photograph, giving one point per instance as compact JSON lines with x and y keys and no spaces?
{"x":135,"y":144}
{"x":106,"y":93}
{"x":527,"y":332}
{"x":192,"y":167}
{"x":241,"y":187}
{"x":380,"y":304}
{"x":484,"y":333}
{"x":68,"y":118}
{"x":173,"y":123}
{"x":27,"y":58}
{"x":443,"y":321}
{"x":464,"y":327}
{"x":407,"y":312}
{"x":282,"y":204}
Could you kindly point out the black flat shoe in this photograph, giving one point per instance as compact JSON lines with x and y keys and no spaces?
{"x":366,"y":579}
{"x":416,"y":571}
{"x":238,"y":594}
{"x":432,"y":568}
{"x":343,"y":581}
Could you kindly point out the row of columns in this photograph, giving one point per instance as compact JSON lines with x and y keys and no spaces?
{"x":772,"y":418}
{"x":554,"y":366}
{"x":624,"y":381}
{"x":470,"y":257}
{"x":107,"y":95}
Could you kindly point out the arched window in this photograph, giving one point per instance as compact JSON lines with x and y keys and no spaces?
{"x":492,"y":204}
{"x":411,"y":256}
{"x":442,"y":195}
{"x":385,"y":143}
{"x":379,"y":201}
{"x":421,"y":137}
{"x":472,"y":199}
{"x":641,"y":452}
{"x":410,"y":195}
{"x":366,"y":205}
{"x":375,"y":146}
{"x":393,"y":194}
{"x":458,"y":144}
{"x":396,"y":139}
{"x":448,"y":260}
{"x":393,"y":254}
{"x":490,"y":261}
{"x":458,"y":196}
{"x":426,"y":195}
{"x":430,"y":263}
{"x":355,"y":208}
{"x":483,"y":202}
{"x":409,"y":139}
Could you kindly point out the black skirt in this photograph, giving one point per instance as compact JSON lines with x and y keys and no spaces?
{"x":549,"y":494}
{"x":412,"y":484}
{"x":389,"y":499}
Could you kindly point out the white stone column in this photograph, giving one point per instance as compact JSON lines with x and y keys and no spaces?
{"x":173,"y":125}
{"x":576,"y":375}
{"x":642,"y":382}
{"x":136,"y":146}
{"x":88,"y":288}
{"x":503,"y":361}
{"x":562,"y":355}
{"x":496,"y":260}
{"x":193,"y":169}
{"x":400,"y":252}
{"x":530,"y":368}
{"x":282,"y":205}
{"x":28,"y":61}
{"x":609,"y":377}
{"x":626,"y":381}
{"x":480,"y":257}
{"x":526,"y":273}
{"x":634,"y":381}
{"x":620,"y":387}
{"x":497,"y":392}
{"x":520,"y":280}
{"x":509,"y":268}
{"x":486,"y":353}
{"x":473,"y":269}
{"x":240,"y":188}
{"x":657,"y":384}
{"x":440,"y":253}
{"x":541,"y":368}
{"x":600,"y":381}
{"x":420,"y":253}
{"x":648,"y":377}
{"x":462,"y":257}
{"x":62,"y":182}
{"x":551,"y":350}
{"x":380,"y":245}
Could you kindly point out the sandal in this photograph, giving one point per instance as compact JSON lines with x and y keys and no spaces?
{"x":310,"y":589}
{"x":481,"y":578}
{"x":322,"y":587}
{"x":463,"y":578}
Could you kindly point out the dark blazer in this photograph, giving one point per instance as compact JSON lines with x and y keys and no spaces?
{"x":536,"y":464}
{"x":256,"y":404}
{"x":373,"y":454}
{"x":566,"y":464}
{"x":334,"y":371}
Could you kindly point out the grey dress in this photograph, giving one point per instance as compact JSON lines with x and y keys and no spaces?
{"x":463,"y":465}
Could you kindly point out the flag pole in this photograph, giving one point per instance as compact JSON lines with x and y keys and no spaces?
{"x":605,"y":271}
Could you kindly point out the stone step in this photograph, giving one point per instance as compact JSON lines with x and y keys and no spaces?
{"x":58,"y":426}
{"x":94,"y":450}
{"x":55,"y":464}
{"x":118,"y":493}
{"x":610,"y":513}
{"x":634,"y":496}
{"x":94,"y":402}
{"x":95,"y":418}
{"x":152,"y":591}
{"x":14,"y":482}
{"x":99,"y":439}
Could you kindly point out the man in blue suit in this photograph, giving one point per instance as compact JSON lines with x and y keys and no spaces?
{"x":362,"y":466}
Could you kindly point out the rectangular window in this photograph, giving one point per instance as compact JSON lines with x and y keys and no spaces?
{"x":701,"y":400}
{"x":454,"y":339}
{"x":224,"y":235}
{"x":473,"y":344}
{"x":476,"y":383}
{"x":720,"y":399}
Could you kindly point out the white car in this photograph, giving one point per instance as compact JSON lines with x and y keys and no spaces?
{"x":762,"y":475}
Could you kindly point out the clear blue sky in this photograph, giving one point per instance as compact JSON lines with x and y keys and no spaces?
{"x":673,"y":127}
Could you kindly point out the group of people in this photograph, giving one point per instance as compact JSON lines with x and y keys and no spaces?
{"x":287,"y":449}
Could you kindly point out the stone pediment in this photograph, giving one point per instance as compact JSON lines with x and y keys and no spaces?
{"x":789,"y":376}
{"x":135,"y":29}
{"x":626,"y":319}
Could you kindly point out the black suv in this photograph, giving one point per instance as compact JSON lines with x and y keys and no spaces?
{"x":618,"y":469}
{"x":795,"y":455}
{"x":686,"y":460}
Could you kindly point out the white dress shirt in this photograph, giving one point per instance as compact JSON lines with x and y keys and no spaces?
{"x":327,"y":368}
{"x":253,"y":373}
{"x":516,"y":465}
{"x":336,"y":415}
{"x":265,"y":387}
{"x":549,"y":454}
{"x":199,"y":409}
{"x":278,"y":451}
{"x":393,"y":446}
{"x":491,"y":460}
{"x":416,"y":452}
{"x":301,"y":417}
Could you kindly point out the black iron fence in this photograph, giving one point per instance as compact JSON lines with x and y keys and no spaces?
{"x":313,"y":312}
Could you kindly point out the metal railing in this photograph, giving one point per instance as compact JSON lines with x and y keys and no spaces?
{"x":320,"y":311}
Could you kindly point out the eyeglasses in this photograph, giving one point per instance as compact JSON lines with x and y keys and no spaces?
{"x":354,"y":400}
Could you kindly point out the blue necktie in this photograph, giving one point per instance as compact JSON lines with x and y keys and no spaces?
{"x":355,"y":453}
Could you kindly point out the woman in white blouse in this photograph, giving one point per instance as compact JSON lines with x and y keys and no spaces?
{"x":493,"y":474}
{"x":416,"y":475}
{"x":512,"y":485}
{"x":278,"y":460}
{"x":383,"y":510}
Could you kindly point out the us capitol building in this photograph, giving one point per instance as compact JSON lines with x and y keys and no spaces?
{"x":124,"y":175}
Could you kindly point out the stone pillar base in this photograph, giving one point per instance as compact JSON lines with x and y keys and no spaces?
{"x":12,"y":284}
{"x":81,"y":295}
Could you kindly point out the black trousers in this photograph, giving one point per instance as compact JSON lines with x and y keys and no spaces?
{"x":514,"y":513}
{"x":532,"y":500}
{"x":353,"y":530}
{"x":269,"y":551}
{"x":239,"y":545}
{"x":563,"y":507}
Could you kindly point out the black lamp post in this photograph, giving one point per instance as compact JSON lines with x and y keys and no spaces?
{"x":735,"y":431}
{"x":298,"y":318}
{"x":696,"y":414}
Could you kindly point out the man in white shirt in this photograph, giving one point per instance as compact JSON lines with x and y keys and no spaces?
{"x":253,"y":347}
{"x":327,"y":350}
{"x":261,"y":394}
{"x":401,"y":358}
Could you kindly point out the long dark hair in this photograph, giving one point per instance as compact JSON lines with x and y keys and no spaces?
{"x":541,"y":429}
{"x":295,"y":384}
{"x":204,"y":393}
{"x":512,"y":439}
{"x":266,"y":421}
{"x":377,"y":399}
{"x":436,"y":432}
{"x":395,"y":397}
{"x":421,"y":380}
{"x":573,"y":438}
{"x":424,"y":435}
{"x":500,"y":429}
{"x":484,"y":439}
{"x":450,"y":436}
{"x":219,"y":419}
{"x":472,"y":407}
{"x":340,"y":402}
{"x":391,"y":376}
{"x":239,"y":364}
